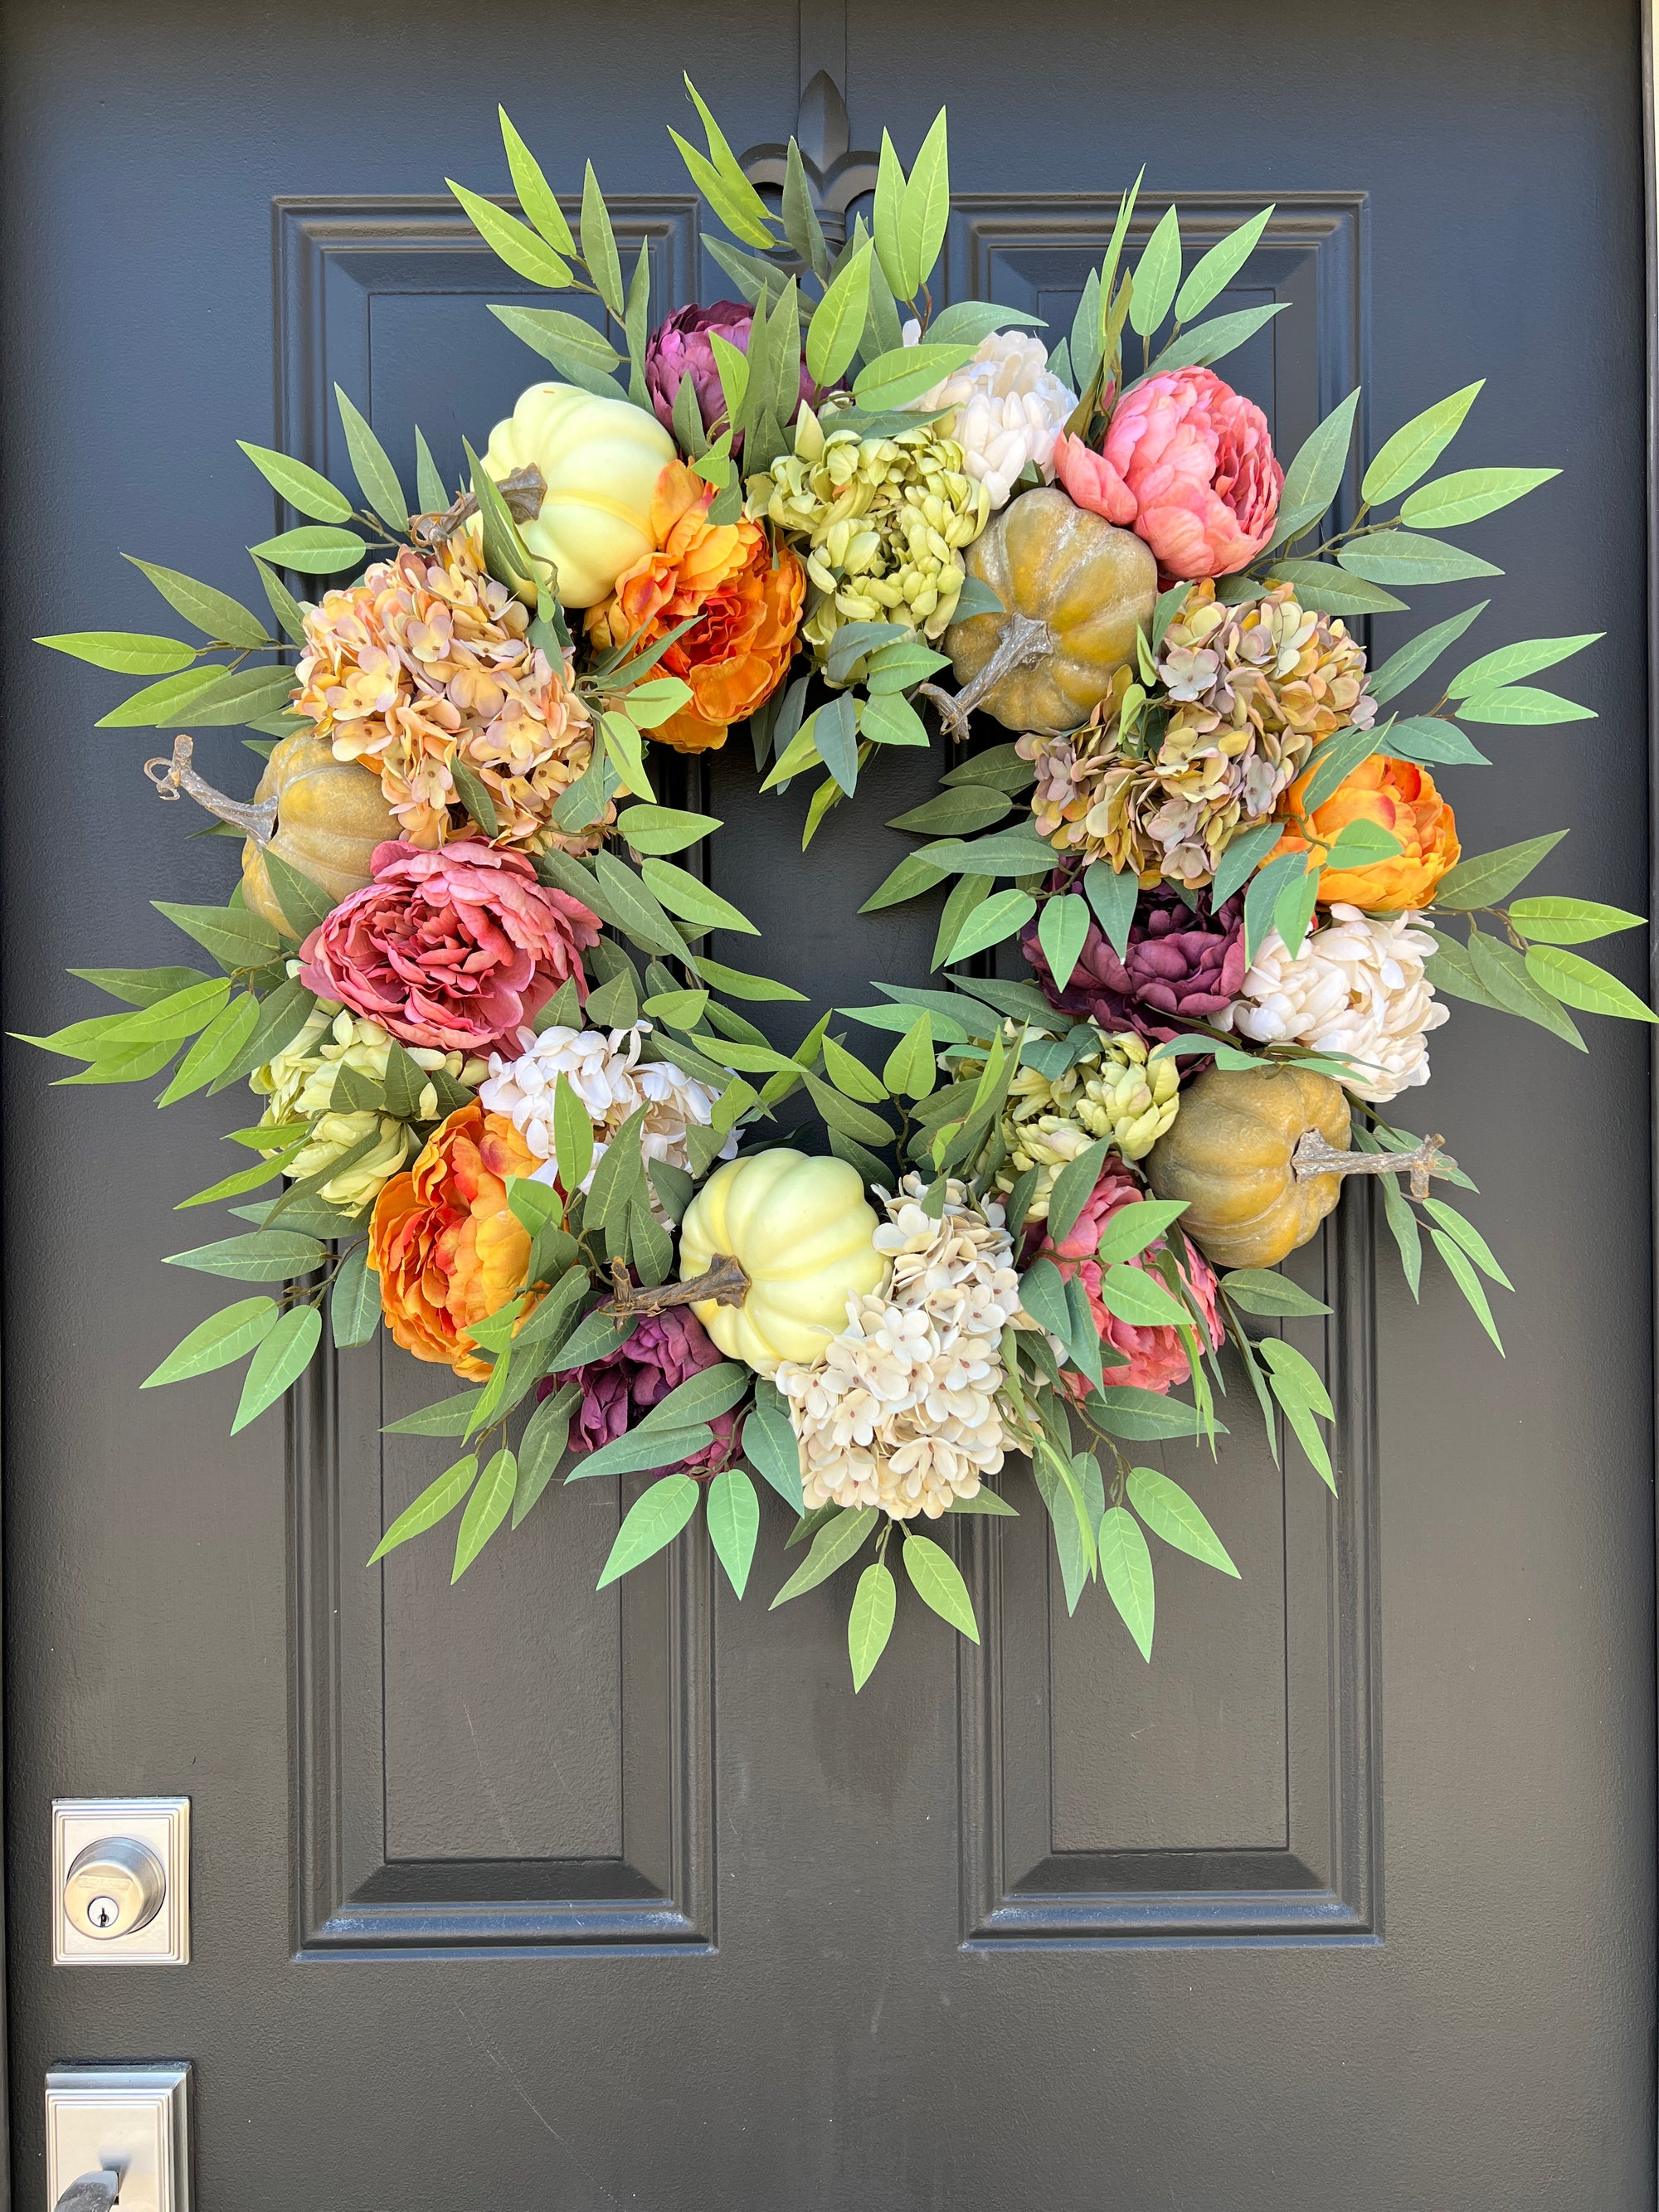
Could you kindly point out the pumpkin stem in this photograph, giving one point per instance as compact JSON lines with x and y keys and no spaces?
{"x":1024,"y":638}
{"x":523,"y":490}
{"x":1314,"y":1156}
{"x":725,"y":1282}
{"x":258,"y":817}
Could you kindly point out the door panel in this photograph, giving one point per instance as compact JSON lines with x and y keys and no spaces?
{"x":523,"y":1892}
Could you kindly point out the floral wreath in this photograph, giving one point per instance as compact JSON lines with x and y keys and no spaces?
{"x":512,"y":1113}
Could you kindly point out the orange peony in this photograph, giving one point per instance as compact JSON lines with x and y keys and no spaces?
{"x":723,"y":572}
{"x":444,"y":1241}
{"x":1398,"y":796}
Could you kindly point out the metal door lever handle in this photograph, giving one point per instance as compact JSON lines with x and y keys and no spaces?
{"x":93,"y":2192}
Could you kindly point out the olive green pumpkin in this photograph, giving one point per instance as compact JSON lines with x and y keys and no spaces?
{"x":331,"y":815}
{"x":1228,"y":1154}
{"x":1075,"y":588}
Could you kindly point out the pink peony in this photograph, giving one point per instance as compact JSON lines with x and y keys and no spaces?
{"x":666,"y":1350}
{"x":1151,"y":1358}
{"x":455,"y":950}
{"x":1187,"y":464}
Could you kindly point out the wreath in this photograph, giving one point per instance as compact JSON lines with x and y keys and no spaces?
{"x":510,"y":1110}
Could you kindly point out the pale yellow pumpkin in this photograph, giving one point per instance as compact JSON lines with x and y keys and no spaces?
{"x":800,"y":1229}
{"x":1074,"y":588}
{"x":331,"y":815}
{"x":601,"y":459}
{"x":1229,"y":1154}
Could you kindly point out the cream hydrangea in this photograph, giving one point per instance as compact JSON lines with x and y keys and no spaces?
{"x":299,"y":1086}
{"x":1357,"y":986}
{"x":1010,"y":410}
{"x":604,"y":1070}
{"x":901,"y":1411}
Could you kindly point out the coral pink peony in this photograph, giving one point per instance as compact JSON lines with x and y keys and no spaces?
{"x":1151,"y":1358}
{"x":1188,"y":465}
{"x":456,"y":949}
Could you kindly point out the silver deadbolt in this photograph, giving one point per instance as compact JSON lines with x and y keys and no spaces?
{"x":115,"y":1886}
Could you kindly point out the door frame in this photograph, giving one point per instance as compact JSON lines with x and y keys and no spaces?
{"x":1649,"y":30}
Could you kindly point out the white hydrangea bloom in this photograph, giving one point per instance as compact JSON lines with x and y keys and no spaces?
{"x":1357,"y":986}
{"x":1010,"y":410}
{"x":901,"y":1409}
{"x":607,"y":1074}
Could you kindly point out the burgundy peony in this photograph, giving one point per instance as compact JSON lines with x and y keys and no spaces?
{"x":1183,"y":964}
{"x":456,"y":949}
{"x":679,"y":348}
{"x":666,"y":1350}
{"x":1150,"y":1358}
{"x":1187,"y":464}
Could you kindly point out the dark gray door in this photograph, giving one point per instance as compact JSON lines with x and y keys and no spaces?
{"x":522,"y":1895}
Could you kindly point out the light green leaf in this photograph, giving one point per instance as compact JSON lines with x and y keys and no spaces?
{"x":653,"y":1521}
{"x":1210,"y":275}
{"x":769,"y":1442}
{"x":284,"y":605}
{"x":871,"y":1621}
{"x":282,"y":1355}
{"x":801,"y":226}
{"x":1134,"y":1227}
{"x":564,"y":339}
{"x":1404,"y":667}
{"x":924,"y":211}
{"x":641,"y":1451}
{"x":733,"y":1512}
{"x":937,"y":1580}
{"x":998,"y":917}
{"x":1130,"y":1294}
{"x":1488,"y":877}
{"x":889,"y":204}
{"x":1415,"y":447}
{"x":692,"y":900}
{"x":523,"y":251}
{"x":1466,"y":1234}
{"x":1510,"y":663}
{"x":837,"y":324}
{"x":835,"y":1542}
{"x":1208,"y":342}
{"x":215,"y":614}
{"x":1469,"y":494}
{"x":428,"y":484}
{"x":268,"y":1256}
{"x":1434,"y":742}
{"x":1579,"y":982}
{"x":1503,"y":974}
{"x":315,"y":549}
{"x":1335,"y":759}
{"x":215,"y":1342}
{"x":1168,"y":1512}
{"x":304,"y":903}
{"x":303,"y":488}
{"x":163,"y":701}
{"x":1569,"y":920}
{"x":235,"y":937}
{"x":1125,"y":1568}
{"x":487,"y":1507}
{"x":664,"y":828}
{"x":354,"y":1305}
{"x":1156,"y":275}
{"x":1401,"y":556}
{"x":536,"y":195}
{"x":1522,"y":703}
{"x":435,"y":1503}
{"x":894,"y":379}
{"x":910,"y":1071}
{"x":1264,"y":1290}
{"x":970,"y":321}
{"x":984,"y":1501}
{"x":1062,"y":930}
{"x":573,"y":1135}
{"x":888,"y":719}
{"x":600,"y":245}
{"x":622,"y":744}
{"x":129,"y":652}
{"x":218,"y":1045}
{"x":1467,"y":1281}
{"x":372,"y":466}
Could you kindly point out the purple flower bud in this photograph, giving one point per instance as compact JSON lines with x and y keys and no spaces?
{"x":666,"y":1350}
{"x":679,"y":348}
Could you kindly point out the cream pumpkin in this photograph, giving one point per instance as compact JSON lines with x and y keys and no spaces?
{"x":801,"y":1231}
{"x":601,"y":459}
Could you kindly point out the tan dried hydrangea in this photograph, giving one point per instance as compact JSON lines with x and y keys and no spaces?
{"x":1243,"y":695}
{"x":901,"y":1411}
{"x":1118,"y":1093}
{"x":881,"y":523}
{"x":427,"y":660}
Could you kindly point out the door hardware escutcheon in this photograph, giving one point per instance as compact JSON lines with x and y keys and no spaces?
{"x":125,"y":2125}
{"x":120,"y":1882}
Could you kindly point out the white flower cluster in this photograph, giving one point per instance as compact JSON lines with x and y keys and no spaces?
{"x":1010,"y":412}
{"x":607,"y":1073}
{"x":900,"y":1410}
{"x":1357,"y":986}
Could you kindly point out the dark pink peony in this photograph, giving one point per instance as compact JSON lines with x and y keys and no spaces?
{"x":1183,"y":964}
{"x":455,"y":950}
{"x":679,"y":348}
{"x":1187,"y":464}
{"x":666,"y":1350}
{"x":1150,"y":1358}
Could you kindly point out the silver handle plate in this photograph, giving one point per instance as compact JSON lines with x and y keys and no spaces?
{"x":130,"y":2120}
